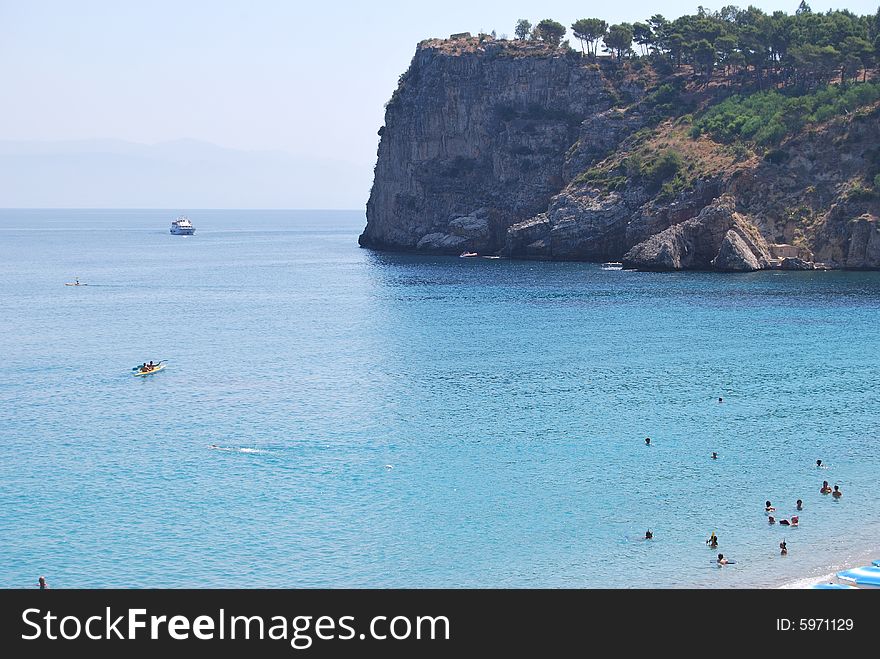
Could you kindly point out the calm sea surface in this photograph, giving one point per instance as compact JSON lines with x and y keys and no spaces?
{"x":397,"y":420}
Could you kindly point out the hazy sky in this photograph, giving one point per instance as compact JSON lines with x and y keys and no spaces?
{"x":309,"y":78}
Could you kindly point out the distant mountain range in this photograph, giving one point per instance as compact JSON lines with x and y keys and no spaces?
{"x":109,"y":173}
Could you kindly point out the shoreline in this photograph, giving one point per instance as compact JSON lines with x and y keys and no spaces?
{"x":829,"y":572}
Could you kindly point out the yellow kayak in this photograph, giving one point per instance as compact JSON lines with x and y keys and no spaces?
{"x":155,"y":369}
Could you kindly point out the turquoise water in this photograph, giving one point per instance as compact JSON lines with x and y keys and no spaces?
{"x":397,"y":420}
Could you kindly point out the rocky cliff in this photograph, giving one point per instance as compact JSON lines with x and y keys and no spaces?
{"x":535,"y":152}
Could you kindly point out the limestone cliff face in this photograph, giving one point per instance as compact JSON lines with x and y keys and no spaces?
{"x":530,"y":152}
{"x":475,"y":139}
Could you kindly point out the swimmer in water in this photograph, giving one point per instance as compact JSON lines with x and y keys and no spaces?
{"x":714,"y":455}
{"x":826,"y":488}
{"x":819,"y":464}
{"x":800,"y":504}
{"x":720,"y":399}
{"x":722,"y":560}
{"x":713,"y":540}
{"x":771,"y":519}
{"x":649,"y":534}
{"x":42,"y":583}
{"x":647,"y":441}
{"x":794,"y":520}
{"x":783,"y":549}
{"x":837,"y":493}
{"x":768,"y":508}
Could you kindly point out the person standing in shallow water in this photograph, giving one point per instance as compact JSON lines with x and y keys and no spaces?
{"x":783,"y":549}
{"x":826,"y":489}
{"x":837,"y":493}
{"x":43,"y":584}
{"x":800,"y":504}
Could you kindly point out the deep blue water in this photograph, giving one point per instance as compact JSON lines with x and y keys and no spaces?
{"x":416,"y":421}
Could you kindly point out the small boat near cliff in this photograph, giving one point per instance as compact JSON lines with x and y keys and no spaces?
{"x":612,"y":265}
{"x":182,"y":226}
{"x":467,"y":255}
{"x":75,"y":282}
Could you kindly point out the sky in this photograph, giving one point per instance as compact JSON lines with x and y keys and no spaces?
{"x":306,"y":78}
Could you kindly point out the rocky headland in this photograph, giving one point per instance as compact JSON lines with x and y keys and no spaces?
{"x":532,"y":151}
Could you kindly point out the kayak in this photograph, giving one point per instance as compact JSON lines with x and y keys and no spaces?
{"x":155,"y":369}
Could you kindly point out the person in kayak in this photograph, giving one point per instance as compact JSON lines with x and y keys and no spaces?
{"x":837,"y":493}
{"x":826,"y":489}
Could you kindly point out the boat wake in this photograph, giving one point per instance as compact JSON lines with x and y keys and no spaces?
{"x":236,"y":449}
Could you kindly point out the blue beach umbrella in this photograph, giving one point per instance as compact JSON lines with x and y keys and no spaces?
{"x":862,"y":576}
{"x":832,"y":586}
{"x":877,"y":562}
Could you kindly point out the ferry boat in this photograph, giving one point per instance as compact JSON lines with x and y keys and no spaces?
{"x":182,"y":226}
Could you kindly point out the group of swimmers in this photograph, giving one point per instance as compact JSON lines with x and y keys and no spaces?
{"x":768,"y":508}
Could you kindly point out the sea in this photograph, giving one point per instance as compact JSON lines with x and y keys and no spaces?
{"x":332,"y":416}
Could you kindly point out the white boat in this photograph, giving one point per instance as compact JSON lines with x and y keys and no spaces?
{"x":182,"y":226}
{"x":612,"y":265}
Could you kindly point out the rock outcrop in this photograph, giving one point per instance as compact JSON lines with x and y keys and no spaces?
{"x":476,"y":126}
{"x":718,"y":238}
{"x":533,"y":152}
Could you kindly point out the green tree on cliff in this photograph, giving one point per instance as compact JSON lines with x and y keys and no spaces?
{"x":643,"y":36}
{"x":550,"y":31}
{"x":523,"y":29}
{"x":589,"y":30}
{"x":619,"y":39}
